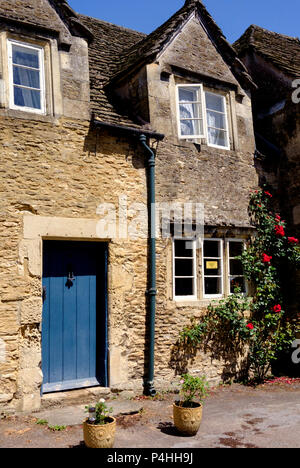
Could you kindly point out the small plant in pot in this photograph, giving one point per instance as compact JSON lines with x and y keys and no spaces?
{"x":100,"y":428}
{"x":187,"y":412}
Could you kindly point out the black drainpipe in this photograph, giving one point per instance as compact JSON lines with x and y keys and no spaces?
{"x":149,"y":380}
{"x":143,"y":135}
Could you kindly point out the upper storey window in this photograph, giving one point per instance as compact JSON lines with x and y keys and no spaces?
{"x":202,"y":114}
{"x":217,"y":126}
{"x":27,"y":83}
{"x":191,"y":113}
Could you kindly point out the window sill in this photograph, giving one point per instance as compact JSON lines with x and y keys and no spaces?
{"x":202,"y":303}
{"x":224,"y":148}
{"x":197,"y":303}
{"x":23,"y":115}
{"x":185,"y":142}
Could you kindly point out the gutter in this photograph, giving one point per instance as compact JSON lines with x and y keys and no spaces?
{"x":132,"y":130}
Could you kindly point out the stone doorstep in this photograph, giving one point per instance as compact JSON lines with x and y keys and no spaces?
{"x":74,"y":397}
{"x":75,"y":415}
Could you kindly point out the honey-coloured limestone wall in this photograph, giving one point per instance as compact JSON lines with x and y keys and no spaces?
{"x":53,"y":177}
{"x":189,"y":171}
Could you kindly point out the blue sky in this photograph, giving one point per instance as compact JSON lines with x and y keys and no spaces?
{"x":233,"y":16}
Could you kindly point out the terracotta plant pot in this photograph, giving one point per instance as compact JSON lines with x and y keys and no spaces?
{"x":96,"y":436}
{"x":187,"y":420}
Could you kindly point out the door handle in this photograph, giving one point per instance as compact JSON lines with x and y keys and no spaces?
{"x":70,"y":278}
{"x":44,"y":293}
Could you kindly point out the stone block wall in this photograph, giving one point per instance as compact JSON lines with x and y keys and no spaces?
{"x":189,"y":171}
{"x":52,"y":178}
{"x":56,"y":170}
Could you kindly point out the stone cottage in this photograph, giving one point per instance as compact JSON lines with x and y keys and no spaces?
{"x":97,"y":123}
{"x":273,"y":60}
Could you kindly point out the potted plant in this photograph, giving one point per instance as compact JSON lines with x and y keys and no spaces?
{"x":187,"y":413}
{"x":100,"y":428}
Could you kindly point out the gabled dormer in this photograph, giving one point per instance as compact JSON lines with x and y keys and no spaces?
{"x":44,"y":60}
{"x":183,"y":80}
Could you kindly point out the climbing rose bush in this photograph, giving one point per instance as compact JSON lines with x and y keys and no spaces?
{"x":267,"y":258}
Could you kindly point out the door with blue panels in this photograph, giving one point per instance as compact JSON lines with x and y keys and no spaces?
{"x":74,"y":324}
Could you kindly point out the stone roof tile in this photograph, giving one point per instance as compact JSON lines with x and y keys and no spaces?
{"x":282,"y":51}
{"x":54,"y":15}
{"x":146,"y":50}
{"x":104,"y":51}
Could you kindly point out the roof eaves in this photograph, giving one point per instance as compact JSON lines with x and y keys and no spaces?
{"x":127,"y":129}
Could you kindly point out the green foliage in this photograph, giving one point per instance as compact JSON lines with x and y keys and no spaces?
{"x":267,"y":258}
{"x":225,"y":317}
{"x":191,"y":388}
{"x":42,"y":422}
{"x":57,"y":428}
{"x":102,"y":412}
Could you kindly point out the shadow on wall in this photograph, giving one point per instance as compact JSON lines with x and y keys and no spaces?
{"x":100,"y":142}
{"x":215,"y":347}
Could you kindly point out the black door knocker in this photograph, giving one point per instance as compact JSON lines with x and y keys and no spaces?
{"x":70,"y":277}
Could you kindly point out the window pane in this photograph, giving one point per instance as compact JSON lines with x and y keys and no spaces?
{"x":25,"y":56}
{"x":191,"y":127}
{"x":182,"y":250}
{"x":217,"y":137}
{"x":190,"y":111}
{"x":26,"y":77}
{"x":212,"y":285}
{"x":214,"y":102}
{"x":184,"y":287}
{"x":235,"y":249}
{"x":187,"y":95}
{"x":235,"y":267}
{"x":184,"y":267}
{"x":240,"y":282}
{"x":27,"y":98}
{"x":211,"y":249}
{"x":212,"y":267}
{"x":216,"y":120}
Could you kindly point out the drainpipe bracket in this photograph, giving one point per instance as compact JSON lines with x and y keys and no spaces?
{"x":151,"y":292}
{"x":149,"y":389}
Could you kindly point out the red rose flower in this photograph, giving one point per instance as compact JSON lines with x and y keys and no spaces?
{"x":277,"y":308}
{"x":293,"y":240}
{"x":266,"y":258}
{"x":269,"y":194}
{"x":277,"y":217}
{"x":279,"y":231}
{"x":250,"y":326}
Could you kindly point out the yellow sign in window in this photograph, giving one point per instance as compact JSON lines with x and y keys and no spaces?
{"x":212,"y":265}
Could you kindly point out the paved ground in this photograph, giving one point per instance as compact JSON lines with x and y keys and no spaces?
{"x":233,"y":417}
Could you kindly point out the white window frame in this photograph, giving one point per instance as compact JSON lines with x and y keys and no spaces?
{"x":241,"y":241}
{"x":204,"y":115}
{"x":227,"y":147}
{"x":12,"y":105}
{"x":221,"y":258}
{"x":203,"y":112}
{"x":194,"y":259}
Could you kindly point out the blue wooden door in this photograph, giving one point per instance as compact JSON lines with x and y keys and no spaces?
{"x":74,"y":325}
